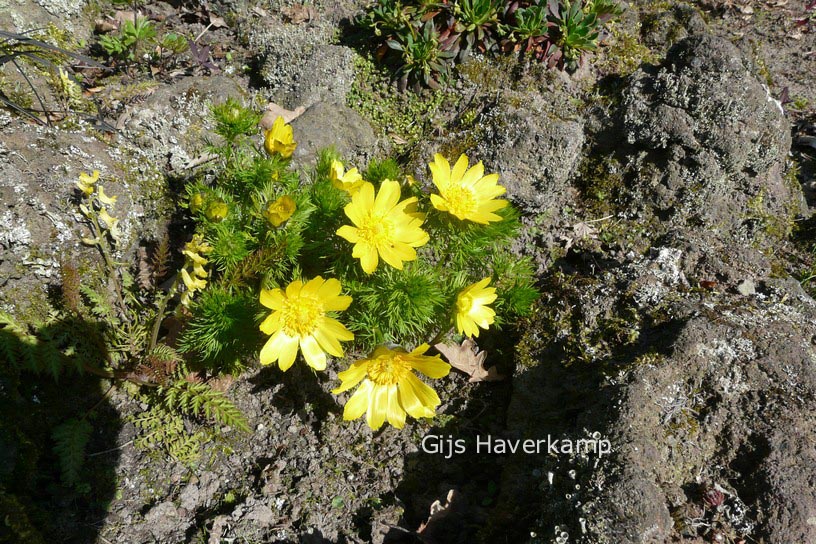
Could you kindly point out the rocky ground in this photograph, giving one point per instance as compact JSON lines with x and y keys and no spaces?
{"x":666,"y":187}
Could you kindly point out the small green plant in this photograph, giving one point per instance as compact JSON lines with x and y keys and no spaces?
{"x":422,"y":60}
{"x":529,"y":28}
{"x":131,"y":41}
{"x":477,"y":21}
{"x":575,"y":32}
{"x":140,"y":40}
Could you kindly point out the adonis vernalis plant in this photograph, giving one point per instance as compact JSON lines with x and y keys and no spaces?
{"x":366,"y":265}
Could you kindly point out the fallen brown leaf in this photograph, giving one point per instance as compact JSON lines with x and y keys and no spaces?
{"x":260,"y":12}
{"x":298,"y":14}
{"x":273,"y":111}
{"x":470,"y":360}
{"x":217,"y":22}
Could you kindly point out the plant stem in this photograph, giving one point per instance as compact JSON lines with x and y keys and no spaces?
{"x":154,"y":335}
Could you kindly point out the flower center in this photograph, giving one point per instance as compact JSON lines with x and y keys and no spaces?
{"x":460,"y":200}
{"x":464,"y":303}
{"x":301,"y":316}
{"x":388,"y":371}
{"x":376,"y":230}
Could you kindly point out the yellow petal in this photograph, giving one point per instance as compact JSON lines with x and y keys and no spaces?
{"x":312,"y":287}
{"x":377,"y":407}
{"x":368,"y":258}
{"x":473,"y":175}
{"x":433,"y":367}
{"x":272,"y":323}
{"x":351,"y":376}
{"x":330,"y":289}
{"x":395,"y":412}
{"x":459,"y":168}
{"x":335,"y":328}
{"x":289,"y":349}
{"x":328,"y":342}
{"x":103,"y":198}
{"x":388,"y":196}
{"x":273,"y":347}
{"x":293,"y":289}
{"x":349,"y":233}
{"x":272,"y":298}
{"x":358,"y":403}
{"x":315,"y":357}
{"x":427,"y":396}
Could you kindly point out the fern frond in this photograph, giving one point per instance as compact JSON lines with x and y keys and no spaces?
{"x":71,"y":439}
{"x":17,"y":345}
{"x":161,"y":259}
{"x":201,"y":400}
{"x":99,"y":305}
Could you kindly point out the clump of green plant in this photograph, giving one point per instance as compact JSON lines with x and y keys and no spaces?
{"x":558,"y":32}
{"x":357,"y":261}
{"x":140,"y":39}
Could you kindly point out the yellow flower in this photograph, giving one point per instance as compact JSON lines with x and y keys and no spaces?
{"x":390,"y":389}
{"x":111,"y":223}
{"x":196,"y":201}
{"x":103,"y":198}
{"x":279,"y":139}
{"x":217,"y":211}
{"x":466,"y":193}
{"x":197,"y":245}
{"x":86,"y":182}
{"x":192,"y":283}
{"x":300,"y":320}
{"x":384,"y":227}
{"x":193,"y":259}
{"x":472,"y":311}
{"x":279,"y":211}
{"x":349,"y":182}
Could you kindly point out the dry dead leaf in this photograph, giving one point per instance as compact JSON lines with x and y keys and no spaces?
{"x":217,"y":22}
{"x":122,"y":16}
{"x":104,"y":26}
{"x":298,"y":14}
{"x":580,"y":231}
{"x":273,"y":111}
{"x":470,"y":360}
{"x":260,"y":12}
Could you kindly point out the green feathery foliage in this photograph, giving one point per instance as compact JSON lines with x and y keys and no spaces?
{"x":163,"y":424}
{"x":397,"y":306}
{"x":381,"y":170}
{"x":223,"y":328}
{"x":71,"y":439}
{"x":232,"y":120}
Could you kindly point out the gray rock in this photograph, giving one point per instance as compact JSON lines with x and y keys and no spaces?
{"x":714,"y":139}
{"x":27,"y":15}
{"x":746,"y":288}
{"x":170,"y":127}
{"x":326,"y":76}
{"x":164,"y":522}
{"x":333,"y":125}
{"x":285,"y":50}
{"x":39,"y":215}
